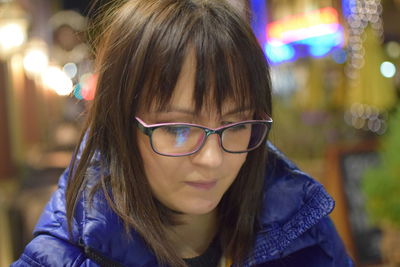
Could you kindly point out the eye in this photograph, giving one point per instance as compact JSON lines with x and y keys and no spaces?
{"x":176,"y":130}
{"x":240,"y":127}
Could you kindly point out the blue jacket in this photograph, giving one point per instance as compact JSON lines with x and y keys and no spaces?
{"x":296,"y":229}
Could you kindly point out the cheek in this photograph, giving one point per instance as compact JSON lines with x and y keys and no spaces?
{"x":166,"y":175}
{"x":160,"y":170}
{"x":150,"y":159}
{"x":236,"y":161}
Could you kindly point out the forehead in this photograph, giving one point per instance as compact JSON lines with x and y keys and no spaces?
{"x":184,"y":98}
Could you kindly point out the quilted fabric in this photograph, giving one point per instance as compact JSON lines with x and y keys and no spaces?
{"x":296,"y":229}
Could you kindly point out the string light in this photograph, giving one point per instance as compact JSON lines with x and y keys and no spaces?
{"x":359,"y":14}
{"x":362,"y":13}
{"x":367,"y":118}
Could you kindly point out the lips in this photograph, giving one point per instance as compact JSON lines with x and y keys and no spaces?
{"x":202,"y":185}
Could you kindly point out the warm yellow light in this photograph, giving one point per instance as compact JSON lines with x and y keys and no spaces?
{"x":12,"y":35}
{"x":35,"y":61}
{"x":55,"y":79}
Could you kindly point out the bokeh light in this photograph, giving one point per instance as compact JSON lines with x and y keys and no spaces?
{"x":86,"y":90}
{"x":70,"y":69}
{"x":388,"y":69}
{"x":55,"y":79}
{"x":35,"y":61}
{"x":393,"y":49}
{"x":339,"y":56}
{"x":12,"y":35}
{"x":368,"y":118}
{"x":278,"y":52}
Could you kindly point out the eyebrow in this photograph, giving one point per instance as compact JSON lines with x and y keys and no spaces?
{"x":192,"y":112}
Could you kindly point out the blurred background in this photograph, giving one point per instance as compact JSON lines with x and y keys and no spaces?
{"x":334,"y":66}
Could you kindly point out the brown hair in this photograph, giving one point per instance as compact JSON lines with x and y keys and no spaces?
{"x":138,"y":61}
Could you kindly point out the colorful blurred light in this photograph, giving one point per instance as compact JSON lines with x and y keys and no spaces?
{"x":77,"y":91}
{"x":319,"y":50}
{"x":70,"y":69}
{"x":35,"y":61}
{"x":55,"y":79}
{"x":303,"y":26}
{"x":347,"y":7}
{"x":393,"y":49}
{"x":339,"y":56}
{"x":388,"y":69}
{"x":259,"y":20}
{"x":12,"y":35}
{"x":278,"y":52}
{"x":328,"y":40}
{"x":314,"y":33}
{"x":87,"y":86}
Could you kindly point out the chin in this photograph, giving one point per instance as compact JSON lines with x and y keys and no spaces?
{"x":199,"y":207}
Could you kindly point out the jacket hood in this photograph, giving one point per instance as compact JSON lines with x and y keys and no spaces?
{"x":293,"y":203}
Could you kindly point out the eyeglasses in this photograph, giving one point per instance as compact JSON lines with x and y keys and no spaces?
{"x":182,"y":139}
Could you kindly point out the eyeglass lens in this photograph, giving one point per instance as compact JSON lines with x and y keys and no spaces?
{"x":183,"y":139}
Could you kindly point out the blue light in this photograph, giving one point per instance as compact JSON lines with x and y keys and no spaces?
{"x":319,"y":50}
{"x":331,"y":40}
{"x":321,"y":45}
{"x":346,"y":8}
{"x":259,"y":19}
{"x":317,"y":46}
{"x":278,"y":53}
{"x":77,"y":91}
{"x":339,"y":56}
{"x":281,"y":52}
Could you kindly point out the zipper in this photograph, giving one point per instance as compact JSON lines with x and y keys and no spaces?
{"x":100,"y":258}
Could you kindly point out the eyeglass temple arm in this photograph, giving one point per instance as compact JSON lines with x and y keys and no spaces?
{"x":142,"y":128}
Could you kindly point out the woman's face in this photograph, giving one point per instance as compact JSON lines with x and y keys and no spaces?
{"x":191,"y":184}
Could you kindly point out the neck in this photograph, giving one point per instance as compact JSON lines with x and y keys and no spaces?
{"x":194,"y":235}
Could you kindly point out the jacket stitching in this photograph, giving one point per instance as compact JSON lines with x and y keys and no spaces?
{"x":79,"y":260}
{"x":278,"y":239}
{"x":30,"y":260}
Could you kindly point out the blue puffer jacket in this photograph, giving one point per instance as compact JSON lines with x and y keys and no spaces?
{"x":296,"y":229}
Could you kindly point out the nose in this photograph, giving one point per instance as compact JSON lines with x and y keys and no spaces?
{"x":211,"y":154}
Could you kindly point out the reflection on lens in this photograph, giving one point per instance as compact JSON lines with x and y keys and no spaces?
{"x":177,"y":139}
{"x":181,"y":139}
{"x":243,"y":137}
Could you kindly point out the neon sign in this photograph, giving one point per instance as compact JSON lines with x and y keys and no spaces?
{"x":314,"y":33}
{"x":307,"y":25}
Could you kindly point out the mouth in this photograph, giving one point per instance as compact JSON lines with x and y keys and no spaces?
{"x":202,"y":185}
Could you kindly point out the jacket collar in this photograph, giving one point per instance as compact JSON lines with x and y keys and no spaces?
{"x":293,"y":203}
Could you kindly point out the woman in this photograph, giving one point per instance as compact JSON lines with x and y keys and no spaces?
{"x":173,"y":168}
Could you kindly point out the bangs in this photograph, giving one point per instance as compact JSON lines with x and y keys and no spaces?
{"x":229,"y":64}
{"x":141,"y":55}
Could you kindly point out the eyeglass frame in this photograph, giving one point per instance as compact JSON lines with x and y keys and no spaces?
{"x":148,"y":130}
